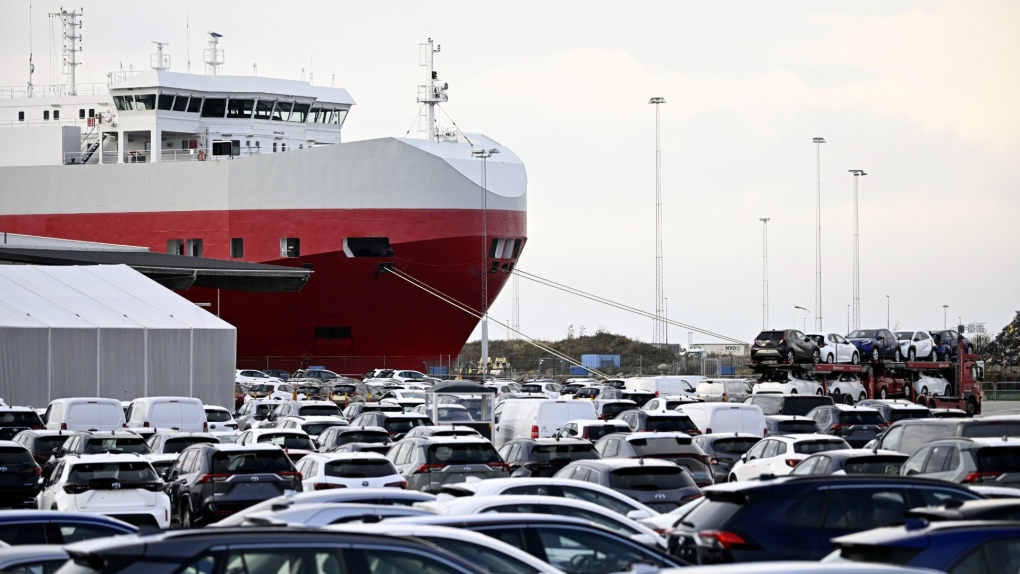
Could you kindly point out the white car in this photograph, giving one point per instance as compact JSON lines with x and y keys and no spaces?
{"x":391,"y":496}
{"x":253,"y":377}
{"x":294,"y":442}
{"x":932,"y":382}
{"x":548,"y":388}
{"x":845,"y":388}
{"x":220,"y":420}
{"x":326,"y":514}
{"x":834,"y":348}
{"x":787,"y":383}
{"x":915,"y":344}
{"x":563,"y":487}
{"x":778,"y":455}
{"x":591,"y":430}
{"x":559,"y":506}
{"x":312,"y":425}
{"x":411,"y":377}
{"x":664,"y":404}
{"x":348,"y":470}
{"x":121,"y":485}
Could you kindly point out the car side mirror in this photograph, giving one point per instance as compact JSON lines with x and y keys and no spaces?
{"x":55,"y":451}
{"x":743,"y":457}
{"x":259,"y":417}
{"x":880,"y":337}
{"x":638,"y":514}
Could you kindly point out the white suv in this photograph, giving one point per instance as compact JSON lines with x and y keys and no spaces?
{"x":122,"y":486}
{"x":252,"y":377}
{"x":348,"y":470}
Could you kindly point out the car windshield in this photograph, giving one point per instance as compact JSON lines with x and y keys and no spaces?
{"x":320,"y":411}
{"x":452,"y":453}
{"x":287,"y":440}
{"x":813,"y":446}
{"x":20,"y":419}
{"x":650,"y":478}
{"x":860,"y":418}
{"x":769,"y":404}
{"x":531,"y":388}
{"x":359,"y":468}
{"x":177,"y":444}
{"x":904,"y":335}
{"x":217,"y":416}
{"x":820,"y":340}
{"x":124,"y":473}
{"x":769,"y":337}
{"x":778,"y":376}
{"x":657,"y":446}
{"x":14,"y":455}
{"x":680,"y":424}
{"x":252,"y":462}
{"x":587,"y":392}
{"x":999,"y":459}
{"x":546,"y":452}
{"x":489,"y":559}
{"x":121,"y":444}
{"x":864,"y":334}
{"x":877,"y":464}
{"x":800,"y":406}
{"x":364,"y":436}
{"x":736,"y":445}
{"x":404,"y":424}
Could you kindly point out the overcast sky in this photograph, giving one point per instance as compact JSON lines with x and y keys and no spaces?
{"x":922,"y":95}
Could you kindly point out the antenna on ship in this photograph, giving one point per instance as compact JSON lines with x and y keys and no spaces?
{"x":31,"y":66}
{"x":434,"y":90}
{"x":71,"y":25}
{"x":213,"y":55}
{"x":159,"y":61}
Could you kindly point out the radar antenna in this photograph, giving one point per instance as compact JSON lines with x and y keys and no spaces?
{"x":72,"y":36}
{"x":160,"y":61}
{"x":213,"y":55}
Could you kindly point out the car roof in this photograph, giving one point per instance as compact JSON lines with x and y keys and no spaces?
{"x":711,"y":438}
{"x":768,"y":482}
{"x":800,"y":568}
{"x":353,"y":429}
{"x":614,"y":463}
{"x":14,"y":408}
{"x":335,"y":456}
{"x":793,"y":438}
{"x":849,"y":453}
{"x":851,"y":408}
{"x":492,"y":518}
{"x":106,"y":457}
{"x":30,"y":516}
{"x":919,"y":528}
{"x":275,"y":430}
{"x":235,"y":447}
{"x":654,"y":434}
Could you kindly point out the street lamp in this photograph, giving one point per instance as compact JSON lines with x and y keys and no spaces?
{"x":818,"y":232}
{"x":945,"y":309}
{"x":795,"y":307}
{"x":848,"y":318}
{"x":887,"y":312}
{"x":484,"y":155}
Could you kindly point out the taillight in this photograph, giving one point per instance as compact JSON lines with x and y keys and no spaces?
{"x":765,"y":432}
{"x":76,"y":488}
{"x":838,"y":426}
{"x":792,"y":462}
{"x":327,"y":486}
{"x":207,"y":478}
{"x":400,"y":484}
{"x":708,"y":430}
{"x":713,"y":460}
{"x":981,"y":476}
{"x":205,"y":427}
{"x":145,"y":424}
{"x":290,"y":474}
{"x":534,"y":431}
{"x":498,"y":466}
{"x":429,"y":468}
{"x":586,"y":433}
{"x":721,"y":539}
{"x":656,"y":393}
{"x":63,"y":426}
{"x":150,"y":486}
{"x":882,"y":425}
{"x":30,"y":471}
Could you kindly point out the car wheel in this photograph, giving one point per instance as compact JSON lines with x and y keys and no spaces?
{"x":836,"y":396}
{"x":819,"y":393}
{"x":949,"y":391}
{"x":912,"y":354}
{"x":186,"y":519}
{"x":790,"y":357}
{"x":971,"y":407}
{"x":816,"y":356}
{"x":863,"y":397}
{"x":733,"y":478}
{"x":874,"y":355}
{"x":924,"y":390}
{"x":882,"y":393}
{"x":897,"y":356}
{"x":830,"y":359}
{"x":855,"y":359}
{"x":848,"y":400}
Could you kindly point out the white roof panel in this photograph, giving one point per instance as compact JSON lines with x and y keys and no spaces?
{"x":233,"y":84}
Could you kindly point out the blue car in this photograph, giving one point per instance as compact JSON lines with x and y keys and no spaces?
{"x":20,"y":527}
{"x":946,"y":342}
{"x":876,"y":344}
{"x":978,"y":547}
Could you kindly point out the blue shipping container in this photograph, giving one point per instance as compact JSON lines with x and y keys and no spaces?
{"x":600,"y":361}
{"x":727,"y":371}
{"x":580,"y":371}
{"x":439,"y":371}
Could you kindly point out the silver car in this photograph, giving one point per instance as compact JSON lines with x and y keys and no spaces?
{"x":427,"y":463}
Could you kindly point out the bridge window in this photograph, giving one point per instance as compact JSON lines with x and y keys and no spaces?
{"x":237,"y":248}
{"x":264,"y":109}
{"x":214,"y":108}
{"x":300,"y":113}
{"x":175,"y":246}
{"x":145,"y":102}
{"x":274,"y":147}
{"x":240,"y":109}
{"x":46,"y":114}
{"x":123,"y":103}
{"x":21,"y":116}
{"x":283,"y":147}
{"x":194,"y":105}
{"x":282,"y":111}
{"x":517,"y":248}
{"x":313,"y":115}
{"x":181,"y":103}
{"x":339,"y":116}
{"x":92,"y":112}
{"x":194,"y":247}
{"x":290,"y":247}
{"x":166,"y":102}
{"x":56,"y":114}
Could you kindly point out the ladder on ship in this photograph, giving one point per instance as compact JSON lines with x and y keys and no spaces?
{"x":90,"y":143}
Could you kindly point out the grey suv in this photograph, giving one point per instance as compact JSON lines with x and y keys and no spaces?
{"x":210,"y":481}
{"x":427,"y":463}
{"x":675,"y":447}
{"x":658,"y":484}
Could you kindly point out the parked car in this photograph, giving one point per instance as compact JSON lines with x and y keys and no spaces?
{"x":548,"y":388}
{"x":662,"y":386}
{"x":173,"y":442}
{"x":50,"y":527}
{"x":85,"y":442}
{"x":374,"y":496}
{"x":676,"y":447}
{"x":13,"y":420}
{"x":121,"y":486}
{"x":852,"y":461}
{"x":723,"y":390}
{"x":949,"y":340}
{"x":934,"y":383}
{"x":641,"y":421}
{"x":211,"y":481}
{"x":726,"y":417}
{"x":528,"y":457}
{"x":41,"y":443}
{"x":724,"y":450}
{"x":968,"y":461}
{"x":253,"y":377}
{"x":348,"y":470}
{"x":663,"y":404}
{"x":179,"y":413}
{"x":81,"y":413}
{"x":781,"y":381}
{"x":278,"y":374}
{"x":303,"y":408}
{"x":33,"y":559}
{"x":535,"y":418}
{"x":295,"y":443}
{"x":777,"y":456}
{"x":19,"y":474}
{"x":876,"y":344}
{"x":946,"y":413}
{"x":608,"y":409}
{"x":658,"y":484}
{"x":252,"y":413}
{"x":220,"y":419}
{"x":588,"y":392}
{"x":856,"y":425}
{"x":797,"y":405}
{"x":354,"y":410}
{"x":442,"y":430}
{"x":334,"y":437}
{"x":993,"y":509}
{"x":591,"y":430}
{"x":914,"y":344}
{"x":563,"y":487}
{"x":844,"y":388}
{"x":274,"y":391}
{"x":313,"y":426}
{"x":785,"y":346}
{"x":780,"y":519}
{"x":428,"y":463}
{"x":779,"y":425}
{"x":397,"y":424}
{"x":891,"y":383}
{"x":894,"y":410}
{"x":835,"y":348}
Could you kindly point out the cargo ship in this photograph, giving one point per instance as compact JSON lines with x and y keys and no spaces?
{"x":255,"y":169}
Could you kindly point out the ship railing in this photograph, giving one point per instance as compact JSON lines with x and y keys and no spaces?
{"x":145,"y":156}
{"x":52,"y":91}
{"x":83,"y":123}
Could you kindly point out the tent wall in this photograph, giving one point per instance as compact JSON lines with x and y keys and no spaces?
{"x":122,"y":363}
{"x":215,"y":353}
{"x":24,"y":365}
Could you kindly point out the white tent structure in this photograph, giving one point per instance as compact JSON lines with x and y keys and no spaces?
{"x":107,"y":331}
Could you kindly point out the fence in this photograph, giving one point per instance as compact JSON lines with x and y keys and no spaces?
{"x":355,"y":366}
{"x":1001,"y":390}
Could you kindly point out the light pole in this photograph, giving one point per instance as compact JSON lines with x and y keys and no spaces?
{"x":818,"y":232}
{"x":764,"y":272}
{"x":484,"y":155}
{"x":887,"y":312}
{"x":847,"y":318}
{"x":945,"y":309}
{"x":666,"y":317}
{"x":659,"y":329}
{"x":857,"y":255}
{"x":795,"y":307}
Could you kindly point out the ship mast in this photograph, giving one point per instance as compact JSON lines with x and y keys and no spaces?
{"x":213,"y":55}
{"x":70,"y":23}
{"x":434,"y":90}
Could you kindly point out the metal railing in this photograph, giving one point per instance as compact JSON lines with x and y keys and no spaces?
{"x":1001,"y":390}
{"x":53,"y":91}
{"x":145,"y":156}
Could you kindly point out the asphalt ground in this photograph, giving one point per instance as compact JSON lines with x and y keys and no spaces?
{"x":989,"y":408}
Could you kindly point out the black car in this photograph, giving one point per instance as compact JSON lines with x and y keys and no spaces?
{"x":641,"y":421}
{"x":798,"y":405}
{"x":788,"y":346}
{"x":397,"y":424}
{"x":97,"y":442}
{"x":16,"y":419}
{"x":265,"y":549}
{"x":19,"y":474}
{"x":41,"y":442}
{"x":796,"y":517}
{"x":856,"y":425}
{"x":334,"y":437}
{"x":779,"y":425}
{"x":572,"y":388}
{"x":724,"y":450}
{"x":609,"y":409}
{"x":544,"y":456}
{"x":210,"y":481}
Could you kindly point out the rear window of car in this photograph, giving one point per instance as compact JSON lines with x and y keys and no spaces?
{"x":14,"y":455}
{"x":359,"y":468}
{"x":48,"y":443}
{"x":531,"y":388}
{"x":710,"y":515}
{"x":344,"y":389}
{"x":801,"y":406}
{"x":365,"y":436}
{"x":792,"y":427}
{"x":453,"y":415}
{"x":450,"y":453}
{"x":180,"y":443}
{"x":319,"y":411}
{"x":769,"y":405}
{"x":901,"y":414}
{"x":20,"y":419}
{"x":650,"y":478}
{"x":404,"y":424}
{"x":860,"y":418}
{"x":596,"y":432}
{"x":543,"y":452}
{"x":287,"y":440}
{"x":122,"y":472}
{"x":768,"y":337}
{"x":612,"y":409}
{"x":251,"y":462}
{"x":873,"y":464}
{"x":122,"y":444}
{"x":217,"y":416}
{"x":660,"y":445}
{"x":813,"y":446}
{"x":681,"y":424}
{"x":317,"y":428}
{"x":991,"y":429}
{"x":999,"y":459}
{"x":738,"y":445}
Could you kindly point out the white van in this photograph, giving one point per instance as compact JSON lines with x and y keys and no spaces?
{"x":82,"y":414}
{"x":672,"y":386}
{"x":724,"y":390}
{"x":535,"y":418}
{"x":184,"y":414}
{"x":726,"y":417}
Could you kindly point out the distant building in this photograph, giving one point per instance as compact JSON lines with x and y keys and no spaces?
{"x":723,"y":348}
